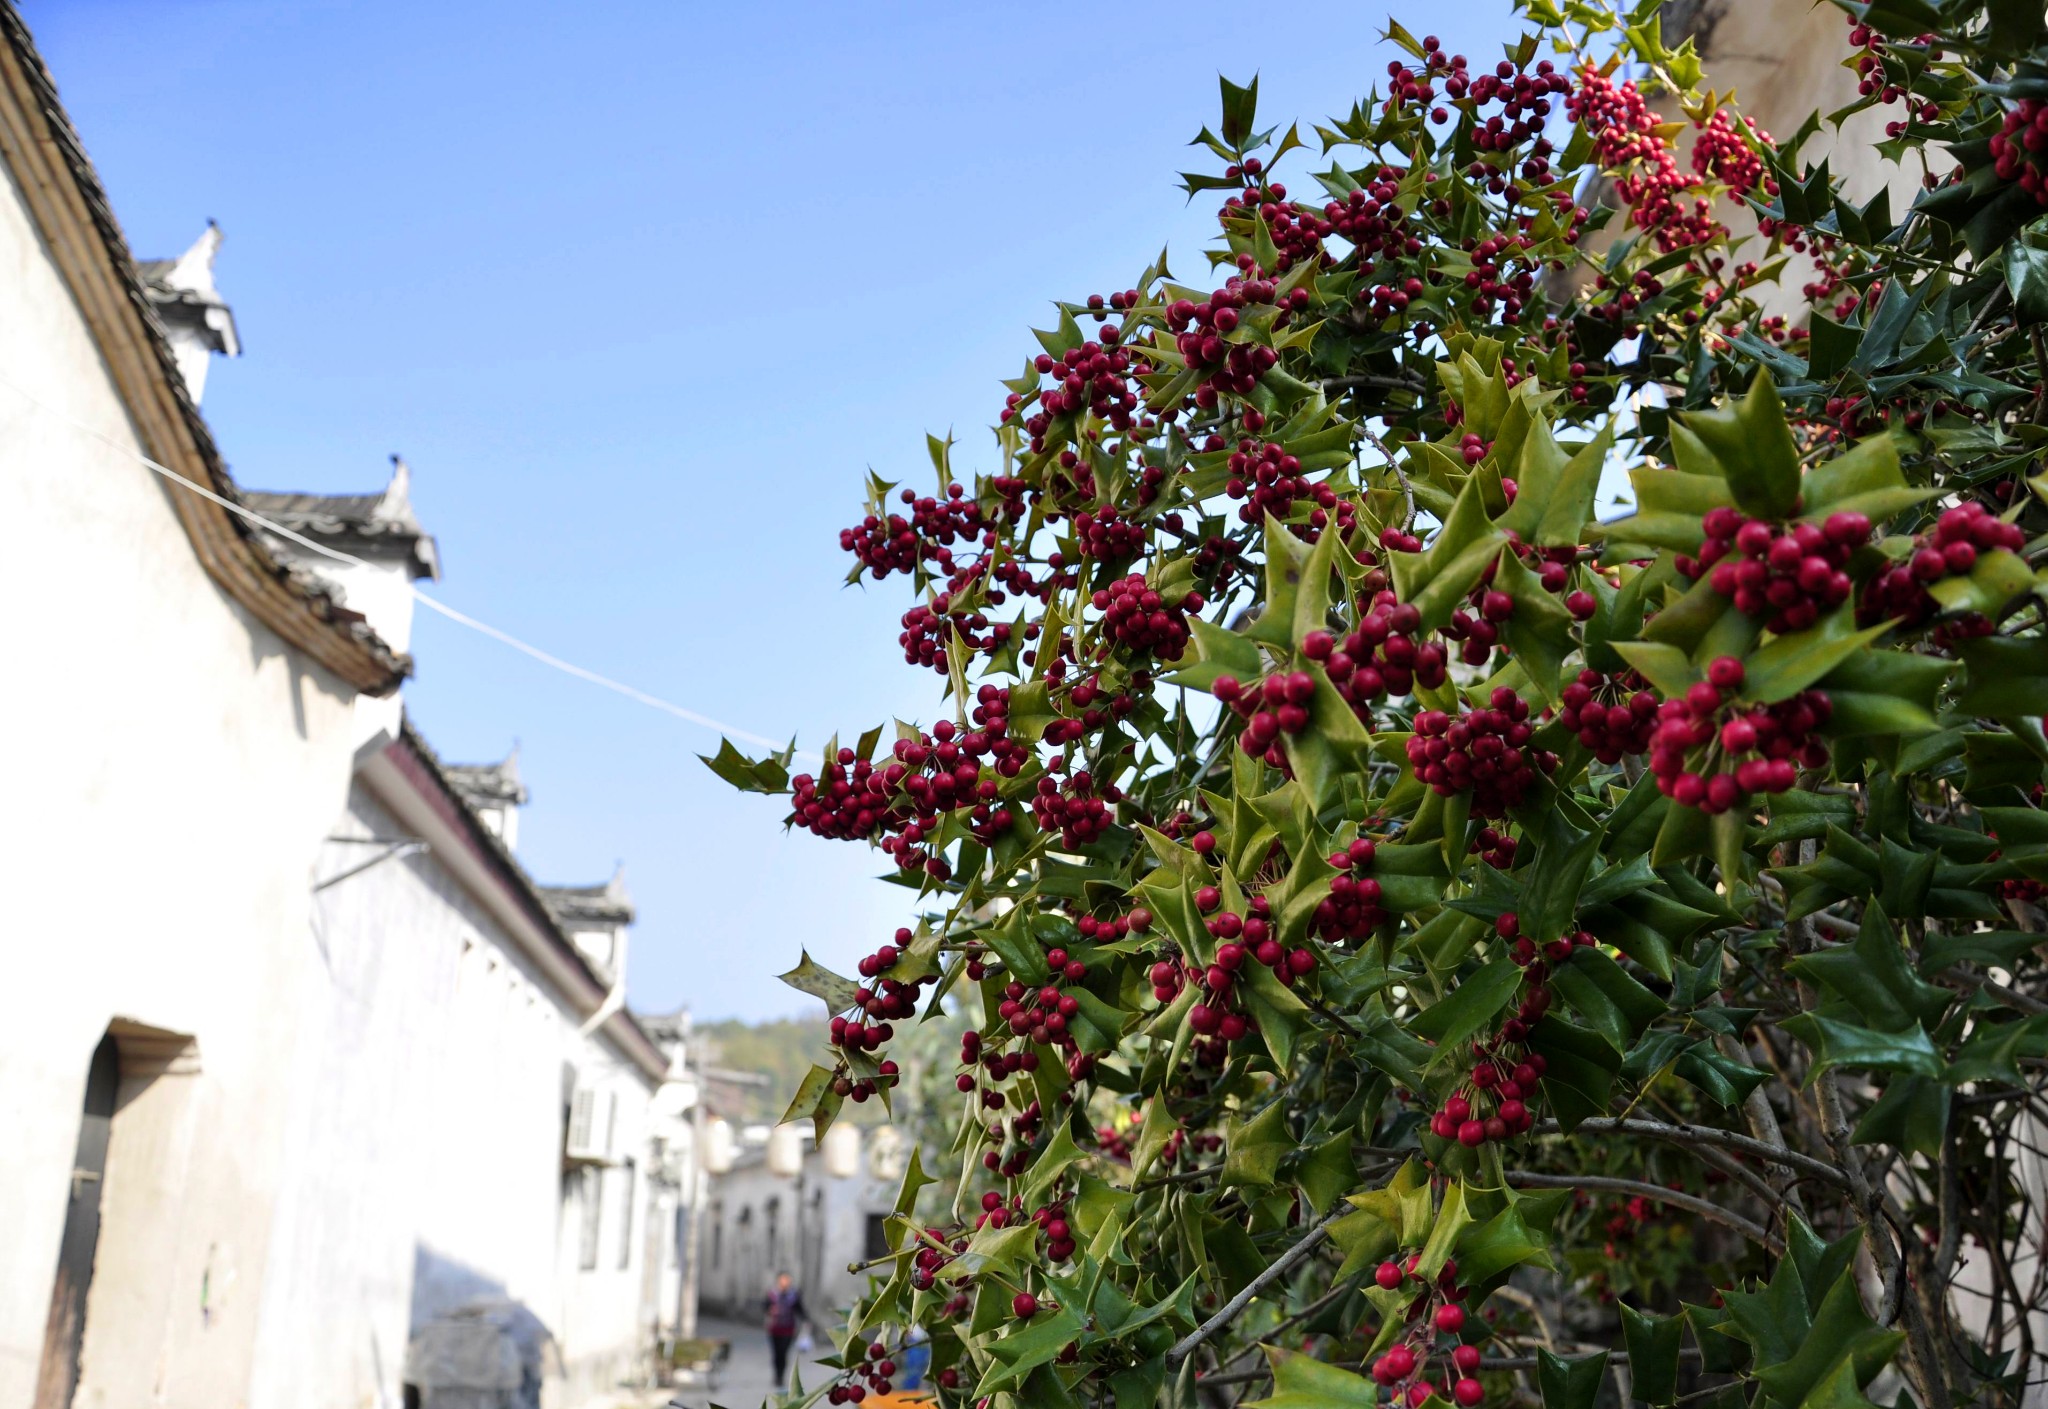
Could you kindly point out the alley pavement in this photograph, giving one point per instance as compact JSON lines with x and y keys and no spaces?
{"x":747,"y":1381}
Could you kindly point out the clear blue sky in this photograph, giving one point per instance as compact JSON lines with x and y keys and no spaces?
{"x":641,"y":289}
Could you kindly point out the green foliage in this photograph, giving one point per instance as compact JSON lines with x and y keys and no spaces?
{"x":1547,"y":932}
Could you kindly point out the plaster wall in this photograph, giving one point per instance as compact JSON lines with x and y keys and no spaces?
{"x":173,"y":767}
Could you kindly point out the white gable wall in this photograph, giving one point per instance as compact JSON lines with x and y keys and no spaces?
{"x":172,"y":768}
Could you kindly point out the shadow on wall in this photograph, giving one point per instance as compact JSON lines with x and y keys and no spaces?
{"x":441,"y":1284}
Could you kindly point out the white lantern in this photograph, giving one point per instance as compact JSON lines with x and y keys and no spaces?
{"x":887,"y":1153}
{"x":720,"y":1145}
{"x":786,"y":1150}
{"x":842,"y":1151}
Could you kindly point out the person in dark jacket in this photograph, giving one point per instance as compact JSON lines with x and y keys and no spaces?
{"x":784,"y":1309}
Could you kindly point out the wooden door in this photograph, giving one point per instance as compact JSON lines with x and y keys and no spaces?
{"x":64,"y":1335}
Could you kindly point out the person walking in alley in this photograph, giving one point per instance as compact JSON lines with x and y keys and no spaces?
{"x":785,"y":1310}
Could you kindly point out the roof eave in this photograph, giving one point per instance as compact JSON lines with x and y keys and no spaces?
{"x":71,"y":212}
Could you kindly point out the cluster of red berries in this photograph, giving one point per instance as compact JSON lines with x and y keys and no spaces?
{"x":1613,"y":715}
{"x":1381,"y":656}
{"x":1270,"y":481}
{"x":929,"y":632}
{"x":1496,"y":848}
{"x":1789,"y":575}
{"x":899,"y":544}
{"x":1251,"y":937}
{"x":853,"y":800}
{"x":1959,"y":535}
{"x":1201,"y":331}
{"x":1352,"y":908}
{"x":1874,"y":82}
{"x":1481,"y":751}
{"x":1296,"y":232}
{"x":1478,"y":630}
{"x":1407,"y":86}
{"x":1757,"y":749}
{"x":1275,"y":706}
{"x":1080,"y":812}
{"x":1392,"y":300}
{"x":1137,"y":618}
{"x":930,"y":1261}
{"x":1401,"y":1366}
{"x":1372,"y":219}
{"x":996,"y":1066}
{"x":1098,"y":378}
{"x":874,"y":1374}
{"x":1626,"y":139}
{"x":1056,"y":1230}
{"x":1721,"y":152}
{"x":1106,"y":537}
{"x":1489,"y":284}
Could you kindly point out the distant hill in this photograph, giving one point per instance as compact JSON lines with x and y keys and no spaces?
{"x":781,"y":1048}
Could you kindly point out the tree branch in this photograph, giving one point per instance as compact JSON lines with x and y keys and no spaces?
{"x":1708,"y":1135}
{"x":1233,"y":1308}
{"x":1713,"y":1213}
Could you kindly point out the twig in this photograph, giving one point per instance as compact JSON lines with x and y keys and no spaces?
{"x":1963,"y":975}
{"x":1321,"y":1007}
{"x":1691,"y":1203}
{"x":1375,"y":383}
{"x":1923,"y":1364}
{"x":1707,"y":1135}
{"x":1407,"y":489}
{"x":1235,"y":1306}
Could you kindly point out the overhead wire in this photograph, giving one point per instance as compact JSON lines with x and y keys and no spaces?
{"x":546,"y":658}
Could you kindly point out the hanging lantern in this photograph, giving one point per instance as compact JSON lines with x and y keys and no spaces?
{"x":720,"y":1145}
{"x":786,"y":1150}
{"x":842,"y":1151}
{"x":887,"y":1153}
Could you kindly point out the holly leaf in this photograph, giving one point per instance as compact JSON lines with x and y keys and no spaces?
{"x":1303,"y":1382}
{"x":1600,"y":991}
{"x":767,"y":775}
{"x":1840,"y":1044}
{"x":838,"y":994}
{"x":1752,"y":445}
{"x":1253,"y":1149}
{"x":1653,"y":1344}
{"x":1570,"y":1384}
{"x":1472,"y":1004}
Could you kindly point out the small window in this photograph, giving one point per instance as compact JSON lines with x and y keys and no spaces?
{"x":591,"y":1196}
{"x":878,"y":1237}
{"x":626,"y":1217}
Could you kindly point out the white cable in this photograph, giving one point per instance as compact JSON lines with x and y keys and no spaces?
{"x":459,"y":618}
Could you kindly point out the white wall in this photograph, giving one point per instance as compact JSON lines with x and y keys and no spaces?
{"x":745,"y":1244}
{"x":172,"y":766}
{"x":425,"y":1158}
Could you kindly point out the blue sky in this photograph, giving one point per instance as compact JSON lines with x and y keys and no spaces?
{"x":641,"y":290}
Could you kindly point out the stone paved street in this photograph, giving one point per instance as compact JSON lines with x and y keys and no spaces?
{"x":747,"y":1381}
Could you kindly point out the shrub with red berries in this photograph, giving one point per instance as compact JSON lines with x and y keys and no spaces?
{"x":1409,"y":923}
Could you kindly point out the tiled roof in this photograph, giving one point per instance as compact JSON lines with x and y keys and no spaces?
{"x":489,"y":783}
{"x":77,"y":223}
{"x":363,"y":525}
{"x":604,"y":904}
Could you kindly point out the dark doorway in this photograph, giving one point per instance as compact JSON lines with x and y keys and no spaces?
{"x":64,"y":1336}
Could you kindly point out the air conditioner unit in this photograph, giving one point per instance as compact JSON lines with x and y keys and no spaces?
{"x":587,"y":1132}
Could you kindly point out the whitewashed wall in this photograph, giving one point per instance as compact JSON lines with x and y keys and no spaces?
{"x":172,"y":767}
{"x":752,"y":1233}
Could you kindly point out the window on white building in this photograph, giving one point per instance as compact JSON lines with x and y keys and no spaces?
{"x":591,"y":1196}
{"x":626,"y":1218}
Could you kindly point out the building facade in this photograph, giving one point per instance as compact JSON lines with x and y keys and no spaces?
{"x":297,"y":1057}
